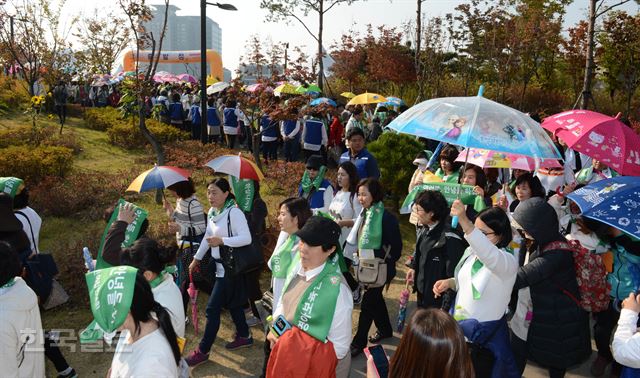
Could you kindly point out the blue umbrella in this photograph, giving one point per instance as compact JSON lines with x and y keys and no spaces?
{"x":323,"y":100}
{"x":393,"y":101}
{"x":614,"y":201}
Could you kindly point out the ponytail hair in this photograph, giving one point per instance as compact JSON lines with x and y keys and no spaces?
{"x":147,"y":255}
{"x":142,"y":307}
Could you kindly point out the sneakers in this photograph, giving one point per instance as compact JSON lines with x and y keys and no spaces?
{"x":69,"y":373}
{"x":196,"y":357}
{"x":357,"y":295}
{"x":598,"y":366}
{"x":239,"y":342}
{"x":253,"y":321}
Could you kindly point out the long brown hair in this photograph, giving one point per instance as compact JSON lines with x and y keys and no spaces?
{"x":432,"y":346}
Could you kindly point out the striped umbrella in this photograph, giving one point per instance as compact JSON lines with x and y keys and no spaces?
{"x":158,"y":177}
{"x":236,"y":166}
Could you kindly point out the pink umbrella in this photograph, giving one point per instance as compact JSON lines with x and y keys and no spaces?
{"x":600,"y":137}
{"x":193,"y":296}
{"x":493,"y":159}
{"x":187,"y":78}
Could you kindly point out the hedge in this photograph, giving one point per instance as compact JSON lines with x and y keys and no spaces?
{"x":33,"y":163}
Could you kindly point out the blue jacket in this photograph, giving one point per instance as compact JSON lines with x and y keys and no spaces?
{"x":499,"y":345}
{"x":268,"y":128}
{"x":289,"y":126}
{"x":212,"y":117}
{"x":176,"y":112}
{"x":365,"y":163}
{"x":625,"y":277}
{"x":316,"y":200}
{"x":230,"y":118}
{"x":313,"y":133}
{"x":195,"y":114}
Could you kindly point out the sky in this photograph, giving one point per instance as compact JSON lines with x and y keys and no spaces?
{"x":239,"y":26}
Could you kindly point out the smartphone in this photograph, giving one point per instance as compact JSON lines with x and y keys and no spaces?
{"x":380,"y":359}
{"x":88,"y":259}
{"x":280,"y":326}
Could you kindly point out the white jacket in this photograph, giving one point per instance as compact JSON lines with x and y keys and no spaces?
{"x":21,"y":336}
{"x":626,"y":341}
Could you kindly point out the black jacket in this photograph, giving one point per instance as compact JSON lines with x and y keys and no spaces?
{"x":559,"y":333}
{"x":437,"y":254}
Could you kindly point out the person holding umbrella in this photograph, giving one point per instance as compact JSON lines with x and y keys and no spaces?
{"x":594,"y":173}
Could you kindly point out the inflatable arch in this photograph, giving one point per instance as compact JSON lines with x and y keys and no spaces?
{"x":193,"y":56}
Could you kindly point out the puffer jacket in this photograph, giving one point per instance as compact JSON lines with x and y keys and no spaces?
{"x":559,"y":332}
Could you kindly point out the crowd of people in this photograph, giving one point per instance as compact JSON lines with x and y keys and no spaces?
{"x":493,"y":292}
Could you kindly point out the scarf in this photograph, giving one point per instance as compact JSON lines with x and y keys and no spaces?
{"x":170,"y":270}
{"x":244,"y":191}
{"x":130,"y":234}
{"x":307,"y":184}
{"x":372,"y":229}
{"x":282,"y":258}
{"x":317,"y":304}
{"x":9,"y":283}
{"x":214,"y":214}
{"x":11,"y":185}
{"x":479,"y":278}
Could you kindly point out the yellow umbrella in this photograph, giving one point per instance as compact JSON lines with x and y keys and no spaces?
{"x":285,"y":88}
{"x":367,"y":98}
{"x":211,"y":80}
{"x":348,"y":94}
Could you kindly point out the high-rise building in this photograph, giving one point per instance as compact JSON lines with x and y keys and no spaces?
{"x":183,"y":33}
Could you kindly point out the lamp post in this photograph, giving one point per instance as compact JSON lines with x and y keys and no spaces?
{"x":203,"y":63}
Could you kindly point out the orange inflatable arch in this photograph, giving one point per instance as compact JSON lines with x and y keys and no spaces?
{"x":192,"y":56}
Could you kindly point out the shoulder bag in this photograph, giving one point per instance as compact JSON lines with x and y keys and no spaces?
{"x":239,"y":260}
{"x":373,"y":272}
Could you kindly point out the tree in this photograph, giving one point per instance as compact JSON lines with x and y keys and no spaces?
{"x":34,"y":39}
{"x":620,"y":54}
{"x":388,"y":60}
{"x":597,"y":8}
{"x":574,"y":51}
{"x":139,"y":87}
{"x":349,"y":59}
{"x":298,"y":9}
{"x":103,"y":38}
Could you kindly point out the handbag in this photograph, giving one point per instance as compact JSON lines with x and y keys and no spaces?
{"x":373,"y":272}
{"x":482,"y":357}
{"x":239,"y":260}
{"x":201,"y":277}
{"x":57,"y":297}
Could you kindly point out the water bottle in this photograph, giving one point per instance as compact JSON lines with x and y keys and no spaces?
{"x":88,"y":259}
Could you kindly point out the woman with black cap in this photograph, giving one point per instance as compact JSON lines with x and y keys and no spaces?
{"x":314,"y":187}
{"x":558,"y":335}
{"x":313,"y":316}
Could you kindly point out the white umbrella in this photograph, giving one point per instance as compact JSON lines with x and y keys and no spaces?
{"x":217,"y":87}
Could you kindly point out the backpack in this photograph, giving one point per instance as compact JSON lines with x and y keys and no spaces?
{"x":591,"y":276}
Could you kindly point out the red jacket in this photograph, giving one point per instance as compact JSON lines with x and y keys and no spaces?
{"x":336,"y":132}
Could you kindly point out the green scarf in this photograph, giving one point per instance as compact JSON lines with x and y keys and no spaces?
{"x":371,"y":237}
{"x":307,"y":184}
{"x":317,"y":305}
{"x":244,"y":191}
{"x":11,"y":185}
{"x":230,"y":202}
{"x":130,"y":234}
{"x":171,"y":269}
{"x":110,"y":295}
{"x":475,"y":268}
{"x":9,"y":283}
{"x":281,"y":260}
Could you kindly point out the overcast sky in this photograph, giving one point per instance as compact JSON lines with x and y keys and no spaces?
{"x":237,"y":27}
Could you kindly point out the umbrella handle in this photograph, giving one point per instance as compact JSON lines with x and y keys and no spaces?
{"x":454,"y":221}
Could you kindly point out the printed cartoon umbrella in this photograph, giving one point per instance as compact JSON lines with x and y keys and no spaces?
{"x":600,"y":137}
{"x":308,"y":89}
{"x":402,"y":307}
{"x":323,"y":100}
{"x":285,"y":88}
{"x":367,"y":98}
{"x":614,"y":201}
{"x":236,"y":166}
{"x":193,"y":296}
{"x":493,"y":159}
{"x":187,"y":78}
{"x":158,"y":177}
{"x":477,"y":122}
{"x":393,"y":101}
{"x":348,"y":94}
{"x":217,"y":87}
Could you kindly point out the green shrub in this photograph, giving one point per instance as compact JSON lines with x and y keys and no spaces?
{"x":395,"y":154}
{"x":102,"y":118}
{"x":15,"y":136}
{"x":128,"y":135}
{"x":12,"y":94}
{"x":33,"y":163}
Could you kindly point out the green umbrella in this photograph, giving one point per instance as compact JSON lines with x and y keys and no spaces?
{"x":310,"y":88}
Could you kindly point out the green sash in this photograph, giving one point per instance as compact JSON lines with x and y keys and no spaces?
{"x":281,"y":260}
{"x":11,"y":185}
{"x":451,"y":192}
{"x":244,"y":191}
{"x":130,"y":234}
{"x":475,"y":268}
{"x":230,"y":202}
{"x":171,"y":269}
{"x":307,"y":184}
{"x":371,"y":237}
{"x":317,"y":305}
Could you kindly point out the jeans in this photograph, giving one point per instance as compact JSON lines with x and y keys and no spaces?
{"x":372,"y":310}
{"x":214,"y":307}
{"x":291,"y":148}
